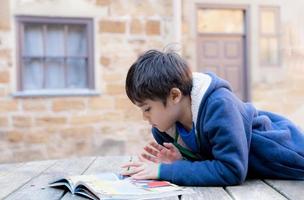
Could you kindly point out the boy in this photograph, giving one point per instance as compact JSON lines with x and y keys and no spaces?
{"x":205,"y":135}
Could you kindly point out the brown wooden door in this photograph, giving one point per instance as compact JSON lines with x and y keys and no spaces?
{"x":223,"y":55}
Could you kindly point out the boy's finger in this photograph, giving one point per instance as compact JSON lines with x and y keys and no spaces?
{"x":165,"y":152}
{"x":131,"y":164}
{"x":140,"y":175}
{"x":151,"y":150}
{"x":169,"y":145}
{"x":156,"y":146}
{"x":129,"y":172}
{"x":143,"y":159}
{"x":149,"y":158}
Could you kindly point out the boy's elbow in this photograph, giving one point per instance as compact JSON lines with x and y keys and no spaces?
{"x":234,"y":180}
{"x":236,"y":177}
{"x":239,"y":179}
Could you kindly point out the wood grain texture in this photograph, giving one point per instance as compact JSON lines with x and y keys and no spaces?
{"x":30,"y":181}
{"x":208,"y":193}
{"x":254,"y":189}
{"x":14,"y":180}
{"x":8,"y":168}
{"x":38,"y":187}
{"x":289,"y":188}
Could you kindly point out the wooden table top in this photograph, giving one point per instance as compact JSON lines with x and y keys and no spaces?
{"x":30,"y":180}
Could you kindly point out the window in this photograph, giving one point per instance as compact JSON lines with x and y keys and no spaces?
{"x":269,"y":36}
{"x":220,"y":21}
{"x":55,"y":54}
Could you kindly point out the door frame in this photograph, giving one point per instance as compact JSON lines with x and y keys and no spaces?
{"x":247,"y":36}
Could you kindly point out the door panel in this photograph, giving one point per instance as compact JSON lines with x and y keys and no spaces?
{"x":223,"y":55}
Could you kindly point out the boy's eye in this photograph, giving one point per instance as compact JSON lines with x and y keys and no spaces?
{"x":147,"y":109}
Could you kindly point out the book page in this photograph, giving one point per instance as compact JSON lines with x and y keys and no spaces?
{"x":67,"y":182}
{"x":108,"y":176}
{"x":115,"y":186}
{"x":114,"y":189}
{"x":130,"y":188}
{"x":73,"y":181}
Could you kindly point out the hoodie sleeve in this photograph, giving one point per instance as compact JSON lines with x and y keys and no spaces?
{"x":224,"y":126}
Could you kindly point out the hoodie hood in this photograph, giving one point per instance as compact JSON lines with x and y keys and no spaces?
{"x":203,"y":86}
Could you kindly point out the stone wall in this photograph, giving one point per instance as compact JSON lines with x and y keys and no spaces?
{"x":285,"y":95}
{"x":56,"y":127}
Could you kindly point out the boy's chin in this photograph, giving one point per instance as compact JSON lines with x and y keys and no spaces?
{"x":160,"y":129}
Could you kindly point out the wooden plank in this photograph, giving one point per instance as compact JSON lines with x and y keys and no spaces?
{"x":290,"y":188}
{"x":38,"y":188}
{"x":254,"y":189}
{"x":207,"y":193}
{"x":106,"y":164}
{"x":21,"y":175}
{"x":9,"y":168}
{"x":73,"y":197}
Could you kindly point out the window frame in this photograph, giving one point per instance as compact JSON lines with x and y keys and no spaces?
{"x":276,"y":35}
{"x":45,"y":21}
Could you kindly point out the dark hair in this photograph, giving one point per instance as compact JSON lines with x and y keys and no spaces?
{"x":155,"y":73}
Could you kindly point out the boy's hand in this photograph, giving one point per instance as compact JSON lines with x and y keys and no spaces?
{"x":141,"y":170}
{"x":161,"y":154}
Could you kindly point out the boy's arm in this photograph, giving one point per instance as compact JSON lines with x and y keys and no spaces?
{"x":226,"y":134}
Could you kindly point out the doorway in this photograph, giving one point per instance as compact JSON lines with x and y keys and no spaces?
{"x":221,"y":45}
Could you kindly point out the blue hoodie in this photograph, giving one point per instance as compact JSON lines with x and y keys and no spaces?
{"x":235,"y":140}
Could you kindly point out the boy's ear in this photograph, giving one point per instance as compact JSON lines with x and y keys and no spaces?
{"x":175,"y":95}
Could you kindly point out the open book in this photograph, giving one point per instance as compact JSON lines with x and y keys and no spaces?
{"x":115,"y":186}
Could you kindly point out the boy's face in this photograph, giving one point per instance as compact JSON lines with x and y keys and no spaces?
{"x":158,"y":115}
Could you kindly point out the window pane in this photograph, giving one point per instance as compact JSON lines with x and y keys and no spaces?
{"x":54,"y":55}
{"x":32,"y":74}
{"x":55,"y":73}
{"x":269,"y":51}
{"x":77,"y":73}
{"x":268,"y":21}
{"x":33,"y":40}
{"x":220,"y":21}
{"x":55,"y":40}
{"x":77,"y":44}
